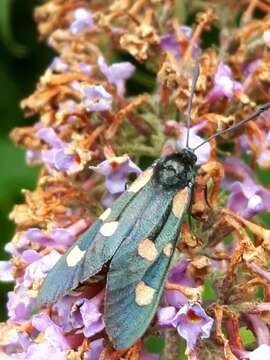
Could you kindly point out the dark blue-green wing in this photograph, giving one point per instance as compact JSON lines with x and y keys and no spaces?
{"x":139,"y":267}
{"x":99,"y":243}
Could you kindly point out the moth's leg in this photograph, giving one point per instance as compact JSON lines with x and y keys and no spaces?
{"x":192,"y":198}
{"x":206,"y":196}
{"x":189,"y":209}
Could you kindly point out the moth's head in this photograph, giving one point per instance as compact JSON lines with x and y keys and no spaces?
{"x":188,"y":156}
{"x":176,"y":170}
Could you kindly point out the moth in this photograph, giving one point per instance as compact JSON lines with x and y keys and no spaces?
{"x":138,"y":236}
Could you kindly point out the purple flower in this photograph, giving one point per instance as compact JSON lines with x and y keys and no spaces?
{"x":58,"y":237}
{"x":179,"y":275}
{"x":6,"y":271}
{"x":116,"y":171}
{"x":256,"y":323}
{"x":53,"y":345}
{"x":82,"y":20}
{"x":72,"y":313}
{"x":251,"y":67}
{"x":263,"y":159}
{"x":22,"y":300}
{"x":66,"y":317}
{"x":248,"y":198}
{"x":30,"y":256}
{"x":20,"y":305}
{"x":260,"y":353}
{"x":85,"y":68}
{"x":60,"y":156}
{"x":192,"y":323}
{"x":248,"y":70}
{"x":169,"y":42}
{"x":235,"y":168}
{"x":261,"y":144}
{"x":165,"y":316}
{"x":108,"y":199}
{"x":117,"y":73}
{"x":49,"y":136}
{"x":96,"y":348}
{"x":37,"y":270}
{"x":33,"y":157}
{"x":224,"y":85}
{"x":12,"y":340}
{"x":53,"y":334}
{"x":203,"y":153}
{"x":92,"y":318}
{"x":41,"y":351}
{"x":58,"y":65}
{"x":96,"y":98}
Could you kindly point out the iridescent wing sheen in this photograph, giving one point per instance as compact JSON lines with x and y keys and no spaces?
{"x":139,"y":267}
{"x":99,"y":243}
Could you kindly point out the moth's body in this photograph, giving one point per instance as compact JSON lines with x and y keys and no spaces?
{"x":138,"y":234}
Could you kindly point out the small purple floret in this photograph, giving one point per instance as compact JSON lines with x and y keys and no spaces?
{"x":169,"y":42}
{"x":116,"y":171}
{"x":117,"y":73}
{"x":192,"y":322}
{"x":248,"y":198}
{"x":96,"y":98}
{"x":58,"y":65}
{"x":82,"y":20}
{"x":224,"y":85}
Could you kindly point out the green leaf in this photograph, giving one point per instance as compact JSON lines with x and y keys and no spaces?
{"x":208,"y":292}
{"x":15,"y":175}
{"x":247,"y":336}
{"x":154,"y":344}
{"x":6,"y":32}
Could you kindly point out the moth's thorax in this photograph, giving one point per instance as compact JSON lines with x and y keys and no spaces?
{"x":177,"y":170}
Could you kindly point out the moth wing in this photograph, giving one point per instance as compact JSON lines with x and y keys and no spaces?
{"x":96,"y":246}
{"x":116,"y":228}
{"x":138,"y":271}
{"x":66,"y":273}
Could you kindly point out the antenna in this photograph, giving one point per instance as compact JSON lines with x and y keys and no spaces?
{"x":193,"y":86}
{"x":253,"y":116}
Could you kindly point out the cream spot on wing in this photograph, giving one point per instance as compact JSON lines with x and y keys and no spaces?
{"x":147,"y":250}
{"x":108,"y":228}
{"x":141,"y":181}
{"x":180,"y":202}
{"x":144,"y":294}
{"x":75,"y":256}
{"x":168,"y":249}
{"x":105,"y":214}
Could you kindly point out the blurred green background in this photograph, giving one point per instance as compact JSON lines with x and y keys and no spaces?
{"x":22,"y":61}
